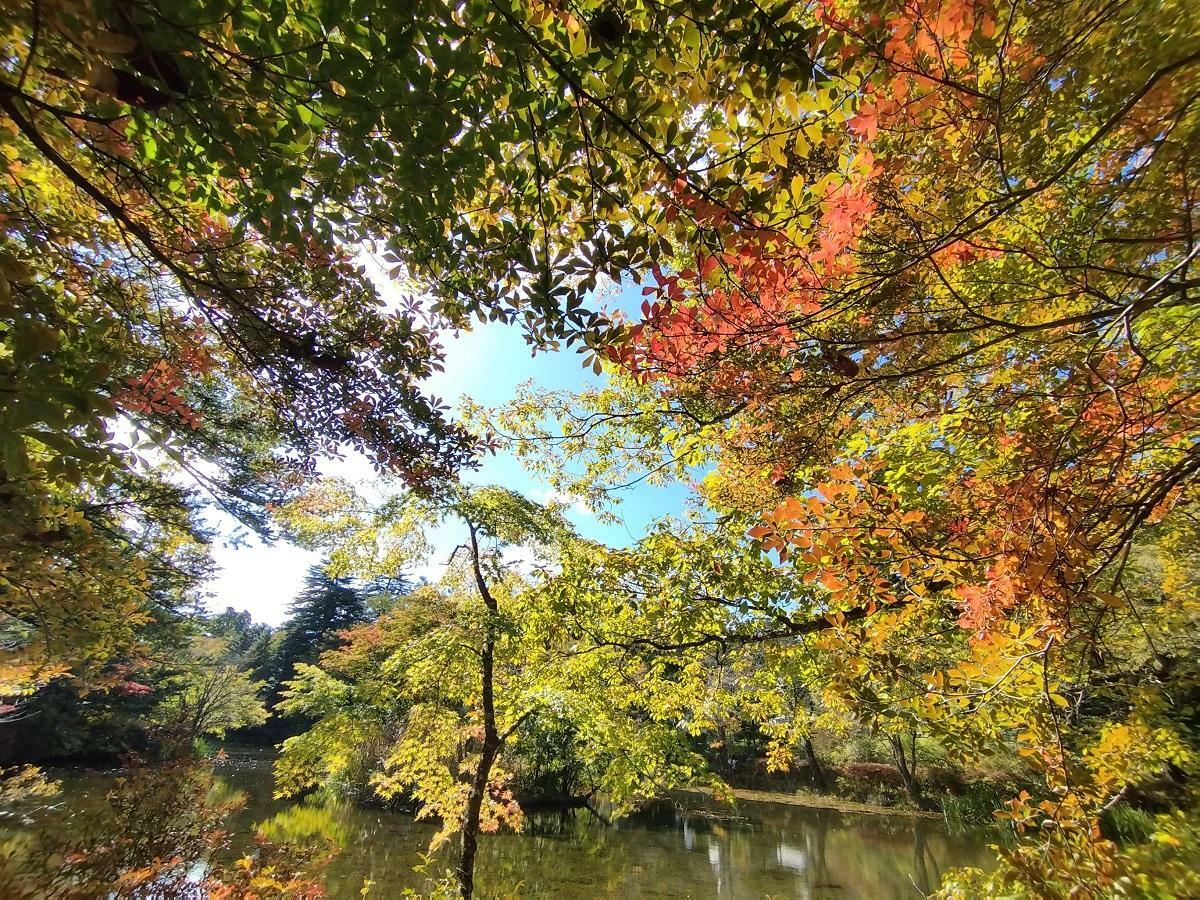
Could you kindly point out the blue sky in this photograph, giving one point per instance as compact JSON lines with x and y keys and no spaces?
{"x":486,"y":364}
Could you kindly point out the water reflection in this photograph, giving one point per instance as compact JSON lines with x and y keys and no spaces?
{"x":316,"y":819}
{"x":691,"y":847}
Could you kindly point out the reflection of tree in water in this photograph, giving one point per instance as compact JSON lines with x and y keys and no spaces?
{"x":803,"y":852}
{"x":920,"y":871}
{"x":317,"y":819}
{"x":559,"y":853}
{"x":137,"y":834}
{"x":927,"y":872}
{"x":815,"y":841}
{"x":690,"y":847}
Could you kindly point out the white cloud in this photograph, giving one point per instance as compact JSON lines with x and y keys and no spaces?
{"x":259,"y":578}
{"x":571,"y":501}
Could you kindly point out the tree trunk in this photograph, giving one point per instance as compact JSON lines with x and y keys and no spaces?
{"x":470,"y":826}
{"x":723,"y":737}
{"x":907,"y":767}
{"x":814,"y":765}
{"x":492,"y":741}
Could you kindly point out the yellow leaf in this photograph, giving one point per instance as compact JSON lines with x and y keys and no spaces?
{"x":797,"y":189}
{"x":579,"y":43}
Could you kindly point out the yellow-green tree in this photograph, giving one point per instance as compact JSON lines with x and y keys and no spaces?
{"x":434,"y":699}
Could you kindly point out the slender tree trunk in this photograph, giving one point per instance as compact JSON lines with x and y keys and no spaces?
{"x":814,"y":765}
{"x":908,"y":769}
{"x":470,"y":826}
{"x":492,"y":741}
{"x":723,"y":737}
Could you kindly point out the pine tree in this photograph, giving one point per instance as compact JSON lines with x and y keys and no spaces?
{"x":382,"y":592}
{"x":323,"y":609}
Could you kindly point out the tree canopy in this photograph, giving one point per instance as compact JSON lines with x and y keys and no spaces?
{"x":918,"y":323}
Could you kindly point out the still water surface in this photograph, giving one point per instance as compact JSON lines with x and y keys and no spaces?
{"x":692,"y":847}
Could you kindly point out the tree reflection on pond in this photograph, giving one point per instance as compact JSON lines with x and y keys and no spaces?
{"x":688,"y":847}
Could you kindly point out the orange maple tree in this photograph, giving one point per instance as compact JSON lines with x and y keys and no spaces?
{"x":954,"y":348}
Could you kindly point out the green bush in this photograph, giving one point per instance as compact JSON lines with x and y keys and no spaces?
{"x":1127,"y":824}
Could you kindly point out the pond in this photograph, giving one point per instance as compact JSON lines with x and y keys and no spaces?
{"x":689,"y":847}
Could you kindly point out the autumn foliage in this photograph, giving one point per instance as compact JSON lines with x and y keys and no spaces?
{"x":953,"y":338}
{"x":917,"y":320}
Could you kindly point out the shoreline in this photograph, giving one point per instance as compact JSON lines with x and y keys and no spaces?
{"x":817,"y":801}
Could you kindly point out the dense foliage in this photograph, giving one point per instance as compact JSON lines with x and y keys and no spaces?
{"x":436,"y":700}
{"x":918,"y":325}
